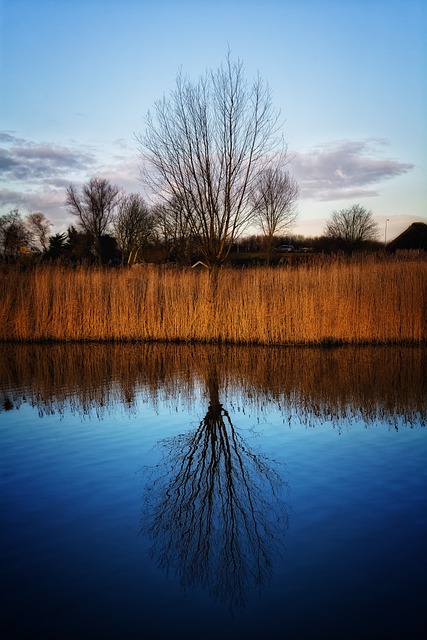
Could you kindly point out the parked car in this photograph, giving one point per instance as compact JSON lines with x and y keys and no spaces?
{"x":284,"y":248}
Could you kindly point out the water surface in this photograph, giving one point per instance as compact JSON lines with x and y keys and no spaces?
{"x":154,"y":491}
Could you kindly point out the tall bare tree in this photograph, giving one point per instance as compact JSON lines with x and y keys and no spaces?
{"x":204,"y":145}
{"x":94,"y":208}
{"x":134,"y":226}
{"x":274,"y":202}
{"x":352,"y":226}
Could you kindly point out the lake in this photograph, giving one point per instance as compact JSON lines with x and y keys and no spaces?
{"x":157,"y":491}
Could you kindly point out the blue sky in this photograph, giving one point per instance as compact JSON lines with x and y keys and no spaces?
{"x":77,"y":78}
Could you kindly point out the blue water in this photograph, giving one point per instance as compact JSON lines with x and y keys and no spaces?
{"x":121,"y":522}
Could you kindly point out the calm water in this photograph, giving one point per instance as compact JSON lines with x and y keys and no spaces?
{"x":157,"y":491}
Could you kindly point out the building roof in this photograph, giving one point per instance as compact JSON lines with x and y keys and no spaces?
{"x":414,"y":237}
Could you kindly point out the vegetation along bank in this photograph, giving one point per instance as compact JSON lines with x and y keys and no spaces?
{"x":328,"y":300}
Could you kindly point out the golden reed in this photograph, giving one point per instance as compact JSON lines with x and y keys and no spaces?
{"x":327,"y":301}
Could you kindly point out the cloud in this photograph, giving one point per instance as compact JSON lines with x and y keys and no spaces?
{"x":124,"y":172}
{"x":347,"y":169}
{"x":8,"y":138}
{"x":34,"y":176}
{"x":23,"y":160}
{"x":47,"y":200}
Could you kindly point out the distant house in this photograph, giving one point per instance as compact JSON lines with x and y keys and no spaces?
{"x":415,"y":237}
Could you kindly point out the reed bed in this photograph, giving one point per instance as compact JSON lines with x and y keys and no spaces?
{"x":338,"y":301}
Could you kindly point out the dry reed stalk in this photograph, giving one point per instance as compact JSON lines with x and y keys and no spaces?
{"x":328,"y":301}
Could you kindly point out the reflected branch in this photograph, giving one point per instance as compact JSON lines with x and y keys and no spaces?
{"x":215,"y":510}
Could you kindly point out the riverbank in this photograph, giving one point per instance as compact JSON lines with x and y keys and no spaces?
{"x":326,"y":301}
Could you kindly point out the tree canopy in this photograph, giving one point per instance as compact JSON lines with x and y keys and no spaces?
{"x":94,"y":208}
{"x":133,"y":226}
{"x":352,"y":226}
{"x":274,"y":198}
{"x":14,"y":235}
{"x":203,"y":147}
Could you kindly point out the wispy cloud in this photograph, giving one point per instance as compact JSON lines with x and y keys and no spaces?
{"x":347,"y":169}
{"x":24,"y":160}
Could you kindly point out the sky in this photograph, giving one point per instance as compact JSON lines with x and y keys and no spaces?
{"x":349,"y":77}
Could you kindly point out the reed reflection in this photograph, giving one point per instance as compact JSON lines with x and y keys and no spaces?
{"x":312,"y":386}
{"x":215,"y":510}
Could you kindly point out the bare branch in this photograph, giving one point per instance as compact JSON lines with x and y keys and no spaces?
{"x":352,"y":226}
{"x":274,"y":199}
{"x":203,"y":147}
{"x":94,"y":208}
{"x":134,"y":227}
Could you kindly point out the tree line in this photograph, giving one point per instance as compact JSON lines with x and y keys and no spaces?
{"x":215,"y":163}
{"x":137,"y":232}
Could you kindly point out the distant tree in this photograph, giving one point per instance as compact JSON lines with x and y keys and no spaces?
{"x":352,"y":227}
{"x":253,"y":243}
{"x":56,"y":246}
{"x":273,"y":200}
{"x":14,"y":235}
{"x":109,"y":249}
{"x":38,"y":226}
{"x":134,"y":227}
{"x":94,"y":209}
{"x":203,"y":146}
{"x":79,"y":246}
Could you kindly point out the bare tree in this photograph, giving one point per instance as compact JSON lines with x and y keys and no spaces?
{"x":134,"y":226}
{"x":204,"y":145}
{"x":14,"y":235}
{"x":352,"y":226}
{"x":94,"y":208}
{"x":274,"y":202}
{"x":38,"y":226}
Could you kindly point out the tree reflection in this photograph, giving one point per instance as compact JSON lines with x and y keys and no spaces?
{"x":215,"y":510}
